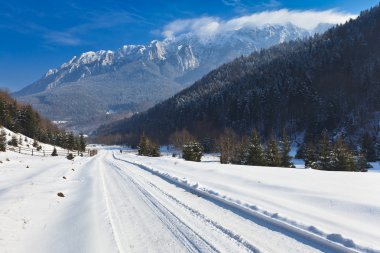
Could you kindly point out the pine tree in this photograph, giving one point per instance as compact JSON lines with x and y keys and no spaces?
{"x":143,"y":146}
{"x":362,"y":164}
{"x":70,"y":141}
{"x":147,"y":148}
{"x":82,"y":143}
{"x":324,"y":154}
{"x":54,"y":153}
{"x":342,"y":159}
{"x":154,"y":151}
{"x":368,"y":147}
{"x":285,"y":150}
{"x":311,"y":155}
{"x":35,"y":143}
{"x":255,"y":152}
{"x":192,"y":151}
{"x":3,"y":140}
{"x":272,"y":154}
{"x":14,"y":141}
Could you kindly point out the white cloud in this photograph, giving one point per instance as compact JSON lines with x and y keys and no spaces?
{"x":208,"y":26}
{"x":62,"y":38}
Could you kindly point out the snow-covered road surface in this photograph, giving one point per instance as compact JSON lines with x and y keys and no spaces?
{"x":113,"y":205}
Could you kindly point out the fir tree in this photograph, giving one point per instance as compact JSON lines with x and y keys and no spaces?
{"x":285,"y":150}
{"x":70,"y":141}
{"x":272,"y":154}
{"x":342,"y":159}
{"x":143,"y":146}
{"x":324,"y":154}
{"x":154,"y":151}
{"x":255,"y":153}
{"x":311,"y":155}
{"x":82,"y":143}
{"x":54,"y":153}
{"x":3,"y":140}
{"x":14,"y":141}
{"x":147,"y":148}
{"x":368,"y":147}
{"x":192,"y":151}
{"x":362,"y":164}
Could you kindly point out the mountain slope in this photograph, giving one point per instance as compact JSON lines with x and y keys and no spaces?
{"x":136,"y":77}
{"x":331,"y":81}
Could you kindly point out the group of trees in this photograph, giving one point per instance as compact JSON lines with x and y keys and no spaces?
{"x":23,"y":119}
{"x":251,"y":151}
{"x":148,"y":148}
{"x":328,"y":153}
{"x":334,"y":155}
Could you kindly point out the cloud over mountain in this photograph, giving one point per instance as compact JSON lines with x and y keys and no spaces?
{"x":209,"y":26}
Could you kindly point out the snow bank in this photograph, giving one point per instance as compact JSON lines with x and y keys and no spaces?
{"x":342,"y":207}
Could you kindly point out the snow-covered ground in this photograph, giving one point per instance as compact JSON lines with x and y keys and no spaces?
{"x":125,"y":203}
{"x":341,"y":206}
{"x":26,"y":144}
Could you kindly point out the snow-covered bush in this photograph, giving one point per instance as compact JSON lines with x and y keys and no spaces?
{"x":192,"y":151}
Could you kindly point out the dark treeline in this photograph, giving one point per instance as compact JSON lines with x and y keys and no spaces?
{"x":329,"y":153}
{"x":23,"y":119}
{"x":330,"y":82}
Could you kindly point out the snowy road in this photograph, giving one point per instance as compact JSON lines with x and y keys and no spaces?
{"x":113,"y":205}
{"x":149,"y":214}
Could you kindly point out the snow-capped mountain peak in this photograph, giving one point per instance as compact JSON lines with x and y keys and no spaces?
{"x":138,"y":76}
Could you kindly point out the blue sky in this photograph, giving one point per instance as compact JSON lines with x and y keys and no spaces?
{"x":37,"y":35}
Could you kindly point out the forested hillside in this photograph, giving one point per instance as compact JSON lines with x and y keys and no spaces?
{"x":329,"y":82}
{"x":23,"y":119}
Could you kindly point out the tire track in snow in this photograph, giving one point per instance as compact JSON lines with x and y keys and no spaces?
{"x":188,"y":237}
{"x":243,"y":244}
{"x":304,"y":236}
{"x":111,"y":219}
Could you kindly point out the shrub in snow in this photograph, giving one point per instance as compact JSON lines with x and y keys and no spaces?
{"x":192,"y":152}
{"x":70,"y":156}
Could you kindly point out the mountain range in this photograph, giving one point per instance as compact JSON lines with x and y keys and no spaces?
{"x":104,"y":86}
{"x":330,"y":82}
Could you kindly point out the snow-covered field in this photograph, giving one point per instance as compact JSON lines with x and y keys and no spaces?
{"x":341,"y":206}
{"x":125,"y":203}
